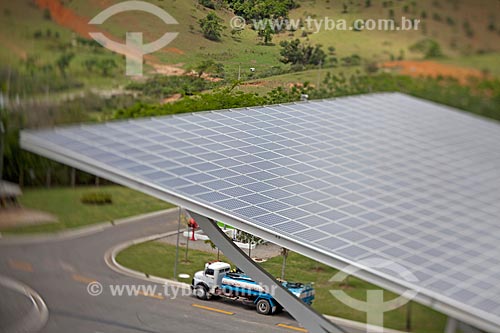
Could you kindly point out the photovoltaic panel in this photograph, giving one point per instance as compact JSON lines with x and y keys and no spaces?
{"x":382,"y":175}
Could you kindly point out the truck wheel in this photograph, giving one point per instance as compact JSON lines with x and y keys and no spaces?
{"x":201,"y":292}
{"x":264,"y":307}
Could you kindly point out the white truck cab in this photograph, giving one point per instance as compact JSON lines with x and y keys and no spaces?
{"x":211,"y":278}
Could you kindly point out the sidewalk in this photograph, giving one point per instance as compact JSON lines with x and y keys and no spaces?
{"x":77,"y":232}
{"x":263,"y":251}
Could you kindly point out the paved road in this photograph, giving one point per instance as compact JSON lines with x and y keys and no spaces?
{"x":61,"y":270}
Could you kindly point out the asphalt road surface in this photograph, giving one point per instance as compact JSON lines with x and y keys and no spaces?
{"x":60,"y":271}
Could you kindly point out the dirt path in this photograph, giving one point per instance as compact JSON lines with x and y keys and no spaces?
{"x":18,"y":217}
{"x":433,"y":69}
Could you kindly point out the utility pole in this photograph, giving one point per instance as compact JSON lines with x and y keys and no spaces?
{"x":2,"y":132}
{"x":284,"y":253}
{"x":177,"y":244}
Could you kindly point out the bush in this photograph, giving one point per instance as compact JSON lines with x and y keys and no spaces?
{"x":430,"y":48}
{"x":164,"y":86}
{"x":295,"y":53}
{"x":212,"y":27}
{"x":262,"y":9}
{"x":207,"y":3}
{"x":96,"y":198}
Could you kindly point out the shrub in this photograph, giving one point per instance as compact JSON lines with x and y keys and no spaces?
{"x":430,"y":48}
{"x":295,"y":53}
{"x":96,"y":198}
{"x":212,"y":27}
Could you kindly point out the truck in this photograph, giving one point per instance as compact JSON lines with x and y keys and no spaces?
{"x":219,"y":280}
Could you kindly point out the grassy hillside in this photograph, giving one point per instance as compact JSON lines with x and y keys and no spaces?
{"x":462,"y":28}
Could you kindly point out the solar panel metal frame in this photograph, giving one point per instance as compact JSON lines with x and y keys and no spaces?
{"x":37,"y":142}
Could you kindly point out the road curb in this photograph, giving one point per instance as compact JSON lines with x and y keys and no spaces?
{"x":40,"y":313}
{"x":110,"y":259}
{"x":78,"y":232}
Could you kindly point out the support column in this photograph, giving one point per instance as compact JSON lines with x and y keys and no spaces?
{"x":303,"y":313}
{"x":451,"y":325}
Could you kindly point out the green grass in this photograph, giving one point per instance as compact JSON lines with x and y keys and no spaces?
{"x":489,"y":62}
{"x":65,"y":204}
{"x":158,"y":259}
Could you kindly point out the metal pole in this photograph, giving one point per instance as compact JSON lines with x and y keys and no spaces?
{"x":177,"y":244}
{"x":2,"y":132}
{"x":408,"y":316}
{"x":187,"y":246}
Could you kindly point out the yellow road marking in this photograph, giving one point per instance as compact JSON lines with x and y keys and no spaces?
{"x":212,"y":309}
{"x":150,"y":295}
{"x":82,"y":279}
{"x":294,"y":328}
{"x":20,"y":265}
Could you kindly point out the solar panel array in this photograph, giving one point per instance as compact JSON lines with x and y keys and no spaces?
{"x":383,"y":175}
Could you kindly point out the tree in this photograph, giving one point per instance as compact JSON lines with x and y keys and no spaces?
{"x":284,"y":253}
{"x":266,"y":34}
{"x":205,"y":66}
{"x":106,"y":66}
{"x":262,"y":9}
{"x":248,"y":239}
{"x":344,"y":8}
{"x":63,"y":62}
{"x":213,"y":246}
{"x":296,"y":53}
{"x":211,"y":26}
{"x":46,"y":14}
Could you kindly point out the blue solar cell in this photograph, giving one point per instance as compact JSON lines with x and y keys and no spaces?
{"x":332,"y":243}
{"x":333,"y":215}
{"x":258,"y":187}
{"x":232,"y":204}
{"x":251,"y":211}
{"x":255,"y":199}
{"x":240,"y":180}
{"x":293,"y":213}
{"x":270,"y":219}
{"x":213,"y":196}
{"x":277,"y":193}
{"x":206,"y":166}
{"x":352,"y":252}
{"x":194,"y":189}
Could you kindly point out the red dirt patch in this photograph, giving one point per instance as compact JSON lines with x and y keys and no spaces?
{"x":172,"y":99}
{"x":79,"y":24}
{"x":169,"y":70}
{"x":253,"y":84}
{"x":433,"y":69}
{"x":173,"y":50}
{"x":67,"y":18}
